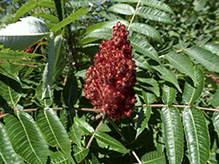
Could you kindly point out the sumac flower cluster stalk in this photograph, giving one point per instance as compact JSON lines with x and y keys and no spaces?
{"x":109,"y":84}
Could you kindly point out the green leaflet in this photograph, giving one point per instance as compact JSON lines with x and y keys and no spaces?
{"x":146,"y":30}
{"x":26,"y":138}
{"x":54,"y":132}
{"x":142,"y":46}
{"x":7,"y":154}
{"x":84,"y":126}
{"x":216,"y":121}
{"x":167,"y":75}
{"x":69,"y":19}
{"x":154,"y":15}
{"x":79,"y":154}
{"x":182,"y":63}
{"x":205,"y":57}
{"x":110,"y":141}
{"x":215,"y":101}
{"x":154,"y":157}
{"x":143,"y":118}
{"x":197,"y":135}
{"x":124,"y":9}
{"x":169,"y":94}
{"x":24,"y":9}
{"x":173,"y":133}
{"x":191,"y":93}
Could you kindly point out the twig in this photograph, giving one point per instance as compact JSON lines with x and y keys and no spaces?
{"x":133,"y":16}
{"x":97,"y":128}
{"x":133,"y":152}
{"x":179,"y":106}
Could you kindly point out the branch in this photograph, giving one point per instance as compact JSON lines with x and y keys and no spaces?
{"x":133,"y":16}
{"x":179,"y":106}
{"x":97,"y":128}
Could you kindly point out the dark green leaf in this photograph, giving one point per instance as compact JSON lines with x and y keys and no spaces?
{"x":60,"y":9}
{"x":169,"y":94}
{"x":70,"y":91}
{"x":7,"y":154}
{"x":140,"y":61}
{"x":173,"y":133}
{"x":191,"y":93}
{"x":26,"y":138}
{"x":205,"y":57}
{"x":110,"y":141}
{"x":143,"y":118}
{"x":54,"y":132}
{"x":197,"y":135}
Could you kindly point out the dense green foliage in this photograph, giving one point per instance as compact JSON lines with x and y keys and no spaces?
{"x":44,"y":114}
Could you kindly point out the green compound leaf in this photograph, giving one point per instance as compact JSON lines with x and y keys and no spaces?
{"x":197,"y":135}
{"x":146,"y":30}
{"x":182,"y":63}
{"x":110,"y":141}
{"x":205,"y":57}
{"x":7,"y":154}
{"x":124,"y":9}
{"x":47,"y":4}
{"x":213,"y":47}
{"x":75,"y":134}
{"x":149,"y":98}
{"x":215,"y":120}
{"x":169,"y":94}
{"x":140,"y":61}
{"x":84,"y":126}
{"x":191,"y":93}
{"x":173,"y":133}
{"x":154,"y":15}
{"x":154,"y":157}
{"x":54,"y":132}
{"x":26,"y":138}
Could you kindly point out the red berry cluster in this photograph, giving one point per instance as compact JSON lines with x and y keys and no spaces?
{"x":109,"y":84}
{"x":32,"y":48}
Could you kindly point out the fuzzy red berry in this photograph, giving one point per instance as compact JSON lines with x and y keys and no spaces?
{"x":109,"y":83}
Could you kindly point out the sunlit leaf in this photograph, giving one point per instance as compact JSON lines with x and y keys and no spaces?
{"x":79,"y":154}
{"x":84,"y":126}
{"x":124,"y":9}
{"x":169,"y":94}
{"x":197,"y":135}
{"x":154,"y":157}
{"x":173,"y":133}
{"x":28,"y":31}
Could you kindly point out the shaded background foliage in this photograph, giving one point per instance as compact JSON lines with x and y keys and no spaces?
{"x":43,"y":107}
